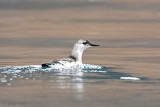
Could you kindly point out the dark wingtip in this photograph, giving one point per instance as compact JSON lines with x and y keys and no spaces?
{"x":46,"y":65}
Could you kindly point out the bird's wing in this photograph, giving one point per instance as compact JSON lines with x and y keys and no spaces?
{"x":62,"y":61}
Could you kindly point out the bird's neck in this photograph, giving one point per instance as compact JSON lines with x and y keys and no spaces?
{"x":77,"y":54}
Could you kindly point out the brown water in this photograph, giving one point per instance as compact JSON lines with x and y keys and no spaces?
{"x":33,"y":32}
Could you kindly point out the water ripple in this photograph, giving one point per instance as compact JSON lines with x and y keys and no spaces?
{"x":89,"y":73}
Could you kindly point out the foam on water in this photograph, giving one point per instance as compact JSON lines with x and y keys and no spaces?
{"x":10,"y":73}
{"x":36,"y":68}
{"x":129,"y":78}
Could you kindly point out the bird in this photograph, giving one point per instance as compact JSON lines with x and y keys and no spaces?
{"x":74,"y":60}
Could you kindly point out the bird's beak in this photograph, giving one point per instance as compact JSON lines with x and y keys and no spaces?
{"x":89,"y":43}
{"x":93,"y":44}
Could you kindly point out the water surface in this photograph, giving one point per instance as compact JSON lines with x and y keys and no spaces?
{"x":33,"y":32}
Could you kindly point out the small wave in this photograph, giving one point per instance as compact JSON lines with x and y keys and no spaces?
{"x":20,"y":71}
{"x":38,"y":68}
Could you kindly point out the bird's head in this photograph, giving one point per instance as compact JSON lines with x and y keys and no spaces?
{"x":83,"y":44}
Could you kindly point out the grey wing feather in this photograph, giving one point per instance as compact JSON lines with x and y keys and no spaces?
{"x":58,"y":61}
{"x":62,"y":61}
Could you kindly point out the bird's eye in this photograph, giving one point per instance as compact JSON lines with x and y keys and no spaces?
{"x":84,"y":43}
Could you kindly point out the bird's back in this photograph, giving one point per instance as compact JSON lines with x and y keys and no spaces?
{"x":68,"y":62}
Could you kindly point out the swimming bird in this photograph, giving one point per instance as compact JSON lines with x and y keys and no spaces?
{"x":74,"y":60}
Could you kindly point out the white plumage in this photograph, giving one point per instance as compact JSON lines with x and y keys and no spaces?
{"x":74,"y":60}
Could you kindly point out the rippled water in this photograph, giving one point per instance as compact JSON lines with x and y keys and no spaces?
{"x":33,"y":86}
{"x":9,"y":74}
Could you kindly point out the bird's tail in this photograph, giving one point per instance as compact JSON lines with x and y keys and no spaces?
{"x":45,"y":65}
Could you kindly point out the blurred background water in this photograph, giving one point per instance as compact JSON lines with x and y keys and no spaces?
{"x":35,"y":31}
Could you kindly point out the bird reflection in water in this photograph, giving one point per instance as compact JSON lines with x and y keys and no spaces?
{"x":65,"y":81}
